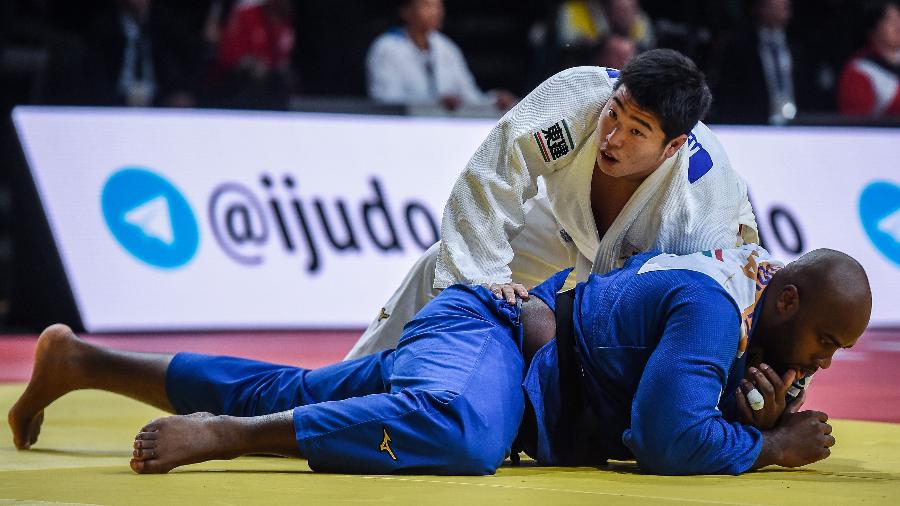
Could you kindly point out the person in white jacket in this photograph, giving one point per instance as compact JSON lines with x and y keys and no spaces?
{"x":416,"y":64}
{"x":590,"y":168}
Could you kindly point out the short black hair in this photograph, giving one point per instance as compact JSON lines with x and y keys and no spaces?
{"x":873,"y":11}
{"x":669,"y":85}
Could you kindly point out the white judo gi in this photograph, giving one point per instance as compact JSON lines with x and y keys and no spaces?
{"x":521,"y":209}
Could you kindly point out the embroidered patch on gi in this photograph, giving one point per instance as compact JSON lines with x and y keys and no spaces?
{"x":385,"y":445}
{"x":555,"y":141}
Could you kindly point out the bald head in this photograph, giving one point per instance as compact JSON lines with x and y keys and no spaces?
{"x":830,"y":278}
{"x":814,"y":306}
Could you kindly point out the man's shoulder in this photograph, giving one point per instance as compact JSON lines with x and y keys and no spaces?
{"x":646,"y":270}
{"x":577,"y":93}
{"x":391,"y":40}
{"x":607,"y":76}
{"x":702,"y":152}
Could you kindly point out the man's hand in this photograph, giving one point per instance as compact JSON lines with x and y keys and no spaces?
{"x":450,"y":102}
{"x":773,"y":390}
{"x":509,"y":291}
{"x":799,"y":439}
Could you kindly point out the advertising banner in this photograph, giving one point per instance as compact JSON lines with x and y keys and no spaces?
{"x":179,"y":220}
{"x":827,"y":188}
{"x":211,"y":220}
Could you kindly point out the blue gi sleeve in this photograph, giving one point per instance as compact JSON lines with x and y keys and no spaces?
{"x":676,"y":427}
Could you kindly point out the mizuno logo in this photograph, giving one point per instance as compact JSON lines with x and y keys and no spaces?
{"x":385,"y":445}
{"x":700,"y":161}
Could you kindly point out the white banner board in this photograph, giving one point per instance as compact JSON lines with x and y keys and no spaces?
{"x":192,"y":220}
{"x":827,"y":187}
{"x":177,"y":220}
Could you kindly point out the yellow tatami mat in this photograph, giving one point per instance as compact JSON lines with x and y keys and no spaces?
{"x":83,"y":452}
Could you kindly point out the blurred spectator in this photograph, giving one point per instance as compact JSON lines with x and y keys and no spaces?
{"x":143,"y":56}
{"x":417,"y":64}
{"x":870,"y":82}
{"x":758,"y":69}
{"x":615,"y":51}
{"x":253,"y":67}
{"x":586,"y":23}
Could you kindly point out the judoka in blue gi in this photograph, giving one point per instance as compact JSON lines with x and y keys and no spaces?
{"x":683,"y":363}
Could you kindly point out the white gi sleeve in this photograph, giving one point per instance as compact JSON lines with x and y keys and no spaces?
{"x":485,"y":208}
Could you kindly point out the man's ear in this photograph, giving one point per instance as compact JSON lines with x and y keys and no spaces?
{"x":788,"y":301}
{"x":674,"y":145}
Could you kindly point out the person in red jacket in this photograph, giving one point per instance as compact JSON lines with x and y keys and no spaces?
{"x":870,"y":81}
{"x":253,"y":63}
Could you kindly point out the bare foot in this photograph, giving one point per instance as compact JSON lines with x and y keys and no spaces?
{"x":57,"y":371}
{"x":166,"y":443}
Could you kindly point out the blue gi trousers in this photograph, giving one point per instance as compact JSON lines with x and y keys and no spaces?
{"x":448,"y":400}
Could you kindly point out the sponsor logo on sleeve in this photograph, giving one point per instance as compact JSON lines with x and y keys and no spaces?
{"x":555,"y":141}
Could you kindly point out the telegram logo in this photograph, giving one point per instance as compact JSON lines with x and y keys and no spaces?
{"x":879,"y":211}
{"x":150,"y":218}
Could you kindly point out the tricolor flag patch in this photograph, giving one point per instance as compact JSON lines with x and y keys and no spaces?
{"x":555,"y":141}
{"x":716,"y":253}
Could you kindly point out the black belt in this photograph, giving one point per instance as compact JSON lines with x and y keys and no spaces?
{"x":572,"y":406}
{"x":570,"y":372}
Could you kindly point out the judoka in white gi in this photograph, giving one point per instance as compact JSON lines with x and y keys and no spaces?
{"x":591,"y":167}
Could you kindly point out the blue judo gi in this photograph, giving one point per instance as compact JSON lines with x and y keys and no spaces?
{"x":657,"y":351}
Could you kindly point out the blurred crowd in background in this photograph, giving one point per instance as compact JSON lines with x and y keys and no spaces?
{"x":768,"y":61}
{"x":776,"y":62}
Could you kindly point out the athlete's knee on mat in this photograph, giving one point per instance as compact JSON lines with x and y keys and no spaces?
{"x":474,"y":444}
{"x":476,"y":457}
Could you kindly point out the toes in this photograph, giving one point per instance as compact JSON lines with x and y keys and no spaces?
{"x":144,"y":443}
{"x":35,"y":428}
{"x":146,"y":436}
{"x":152,"y":426}
{"x":21,"y":444}
{"x":144,"y":454}
{"x":148,"y":467}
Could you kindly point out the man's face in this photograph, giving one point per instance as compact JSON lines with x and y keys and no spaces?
{"x":630,"y":140}
{"x":616,"y":52}
{"x":805,"y":337}
{"x":136,"y":7}
{"x":774,"y":13}
{"x":887,"y":33}
{"x":426,"y":15}
{"x":623,"y":14}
